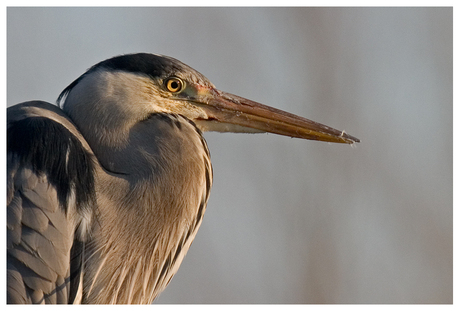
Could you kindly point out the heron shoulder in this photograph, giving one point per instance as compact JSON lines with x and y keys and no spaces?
{"x":39,"y":136}
{"x":50,"y":197}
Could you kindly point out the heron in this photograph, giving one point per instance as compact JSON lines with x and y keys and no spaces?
{"x":106,"y":190}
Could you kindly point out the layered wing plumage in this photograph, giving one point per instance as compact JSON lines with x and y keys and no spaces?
{"x":50,"y":195}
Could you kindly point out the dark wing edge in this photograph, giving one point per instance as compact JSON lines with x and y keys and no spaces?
{"x":50,"y":190}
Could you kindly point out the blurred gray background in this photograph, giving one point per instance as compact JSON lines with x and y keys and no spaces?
{"x":292,"y":221}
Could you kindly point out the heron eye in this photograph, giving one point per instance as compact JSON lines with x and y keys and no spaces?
{"x":174,"y":85}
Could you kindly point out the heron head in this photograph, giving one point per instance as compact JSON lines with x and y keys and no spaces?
{"x":126,"y":89}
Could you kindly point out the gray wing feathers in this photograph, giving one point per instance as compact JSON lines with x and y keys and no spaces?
{"x":50,"y":186}
{"x":40,"y":237}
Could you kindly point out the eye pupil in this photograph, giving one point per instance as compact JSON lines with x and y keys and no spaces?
{"x":174,"y":85}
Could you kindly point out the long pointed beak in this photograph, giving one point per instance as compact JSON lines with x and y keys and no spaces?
{"x":225,"y":108}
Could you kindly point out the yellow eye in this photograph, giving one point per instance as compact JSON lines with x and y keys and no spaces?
{"x":174,"y":85}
